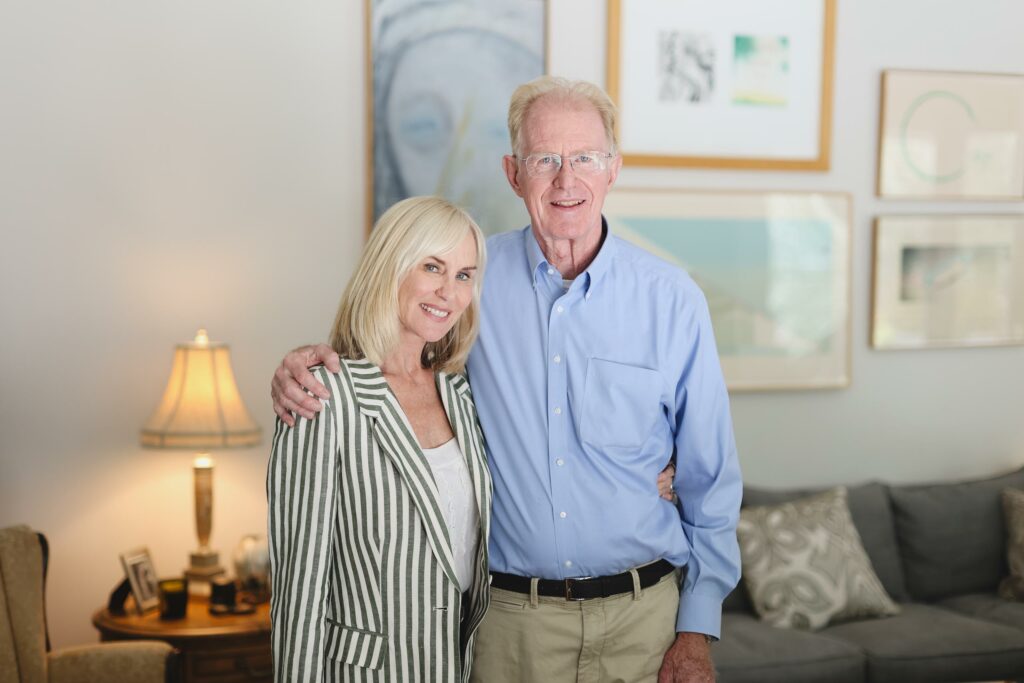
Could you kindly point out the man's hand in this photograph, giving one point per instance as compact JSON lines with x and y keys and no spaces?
{"x":665,"y":489}
{"x":293,"y":375}
{"x":688,"y":661}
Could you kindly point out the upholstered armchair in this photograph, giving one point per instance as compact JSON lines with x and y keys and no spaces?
{"x":25,"y":655}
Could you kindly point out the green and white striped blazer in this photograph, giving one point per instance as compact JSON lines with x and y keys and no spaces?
{"x":364,"y":585}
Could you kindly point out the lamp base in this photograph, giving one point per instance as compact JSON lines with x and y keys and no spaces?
{"x":204,"y":568}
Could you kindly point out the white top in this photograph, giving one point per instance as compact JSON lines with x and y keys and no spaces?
{"x":458,"y":505}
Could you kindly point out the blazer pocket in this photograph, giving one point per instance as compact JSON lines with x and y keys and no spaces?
{"x":356,"y":646}
{"x":620,"y":404}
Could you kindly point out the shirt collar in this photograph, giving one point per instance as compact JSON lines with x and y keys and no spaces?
{"x":598,"y":267}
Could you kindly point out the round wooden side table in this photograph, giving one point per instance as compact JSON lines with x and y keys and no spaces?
{"x":214,"y":649}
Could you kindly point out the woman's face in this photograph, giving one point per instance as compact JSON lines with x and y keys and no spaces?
{"x":436,"y":292}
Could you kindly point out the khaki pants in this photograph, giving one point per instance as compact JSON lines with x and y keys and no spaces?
{"x":621,"y":639}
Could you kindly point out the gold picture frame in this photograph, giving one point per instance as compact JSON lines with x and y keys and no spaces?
{"x":769,"y":107}
{"x":947,"y":281}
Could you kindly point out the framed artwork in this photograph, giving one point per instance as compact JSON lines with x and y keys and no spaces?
{"x":774,"y":267}
{"x":948,"y":281}
{"x":723,"y":83}
{"x":441,"y":73}
{"x":138,"y":567}
{"x":949,"y":135}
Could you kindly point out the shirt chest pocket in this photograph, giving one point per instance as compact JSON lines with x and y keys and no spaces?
{"x":620,"y":404}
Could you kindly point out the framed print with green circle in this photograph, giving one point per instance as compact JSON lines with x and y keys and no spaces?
{"x":951,"y":135}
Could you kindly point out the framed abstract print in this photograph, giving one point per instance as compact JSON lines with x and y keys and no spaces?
{"x":948,"y":281}
{"x":951,"y":135}
{"x":723,"y":83}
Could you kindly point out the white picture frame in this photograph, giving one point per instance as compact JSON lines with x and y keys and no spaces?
{"x":948,"y":281}
{"x":138,"y":568}
{"x":951,"y":135}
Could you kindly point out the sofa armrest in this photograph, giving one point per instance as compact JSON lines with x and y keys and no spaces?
{"x":140,"y":661}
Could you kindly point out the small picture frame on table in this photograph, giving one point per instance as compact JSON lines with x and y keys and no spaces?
{"x":138,"y":567}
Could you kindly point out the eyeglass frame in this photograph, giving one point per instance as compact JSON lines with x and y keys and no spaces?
{"x":603,"y":156}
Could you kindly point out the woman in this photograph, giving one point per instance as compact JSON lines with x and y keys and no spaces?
{"x":380,"y":505}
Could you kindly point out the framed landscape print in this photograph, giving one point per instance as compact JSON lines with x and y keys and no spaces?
{"x":948,"y":281}
{"x":774,"y":267}
{"x":723,"y":83}
{"x":950,"y":135}
{"x":441,"y":73}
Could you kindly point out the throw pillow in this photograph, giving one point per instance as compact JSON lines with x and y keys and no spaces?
{"x":1012,"y":587}
{"x":804,"y":564}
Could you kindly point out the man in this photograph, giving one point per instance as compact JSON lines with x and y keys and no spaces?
{"x":595,"y":366}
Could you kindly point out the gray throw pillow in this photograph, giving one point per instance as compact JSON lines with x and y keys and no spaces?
{"x":1012,"y":587}
{"x":804,"y":564}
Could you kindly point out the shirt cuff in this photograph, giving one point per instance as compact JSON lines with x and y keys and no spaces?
{"x":699,"y":614}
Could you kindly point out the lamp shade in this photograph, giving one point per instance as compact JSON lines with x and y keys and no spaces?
{"x":201,"y":407}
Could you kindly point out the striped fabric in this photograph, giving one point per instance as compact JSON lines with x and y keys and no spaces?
{"x":364,"y":587}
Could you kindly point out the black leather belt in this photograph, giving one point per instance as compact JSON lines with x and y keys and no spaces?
{"x":585,"y":587}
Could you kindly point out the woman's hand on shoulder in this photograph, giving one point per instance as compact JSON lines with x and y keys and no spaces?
{"x":293,"y":383}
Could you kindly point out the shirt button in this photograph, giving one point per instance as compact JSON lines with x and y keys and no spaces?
{"x":562,"y":515}
{"x":559,"y":309}
{"x":568,"y":563}
{"x":558,"y":411}
{"x":560,"y":462}
{"x":557,"y":359}
{"x":551,"y":271}
{"x":587,"y":295}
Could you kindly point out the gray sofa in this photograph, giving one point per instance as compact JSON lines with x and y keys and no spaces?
{"x":940,"y":551}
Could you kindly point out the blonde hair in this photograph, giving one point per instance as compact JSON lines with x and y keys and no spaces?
{"x":367,"y":324}
{"x":566,"y":91}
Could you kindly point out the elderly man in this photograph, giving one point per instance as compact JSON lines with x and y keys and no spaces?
{"x":595,"y":366}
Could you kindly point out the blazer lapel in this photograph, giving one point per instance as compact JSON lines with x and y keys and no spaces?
{"x":396,"y":438}
{"x":458,"y":404}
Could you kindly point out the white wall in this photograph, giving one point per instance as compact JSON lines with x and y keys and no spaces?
{"x":172,"y":165}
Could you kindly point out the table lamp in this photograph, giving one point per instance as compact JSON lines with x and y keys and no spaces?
{"x":201,"y":409}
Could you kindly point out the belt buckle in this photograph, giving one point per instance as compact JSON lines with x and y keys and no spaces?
{"x":568,"y":588}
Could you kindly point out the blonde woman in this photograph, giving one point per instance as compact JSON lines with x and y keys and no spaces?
{"x":380,"y":504}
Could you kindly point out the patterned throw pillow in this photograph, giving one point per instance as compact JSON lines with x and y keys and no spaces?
{"x":804,"y":564}
{"x":1012,"y":587}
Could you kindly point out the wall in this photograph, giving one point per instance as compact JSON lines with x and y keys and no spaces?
{"x":175,"y":165}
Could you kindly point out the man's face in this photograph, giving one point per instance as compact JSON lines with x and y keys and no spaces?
{"x":565,"y":206}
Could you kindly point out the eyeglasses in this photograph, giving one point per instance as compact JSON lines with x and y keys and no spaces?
{"x":545,"y":164}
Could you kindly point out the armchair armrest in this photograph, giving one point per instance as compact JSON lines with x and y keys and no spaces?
{"x":140,"y":661}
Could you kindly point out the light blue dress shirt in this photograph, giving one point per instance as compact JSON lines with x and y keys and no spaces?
{"x":584,"y":395}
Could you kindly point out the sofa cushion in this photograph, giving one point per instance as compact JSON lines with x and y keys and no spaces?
{"x":952,"y":537}
{"x":872,"y":515}
{"x":987,"y":606}
{"x":925,"y":643}
{"x":804,"y":564}
{"x":751,"y":651}
{"x":1012,"y":586}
